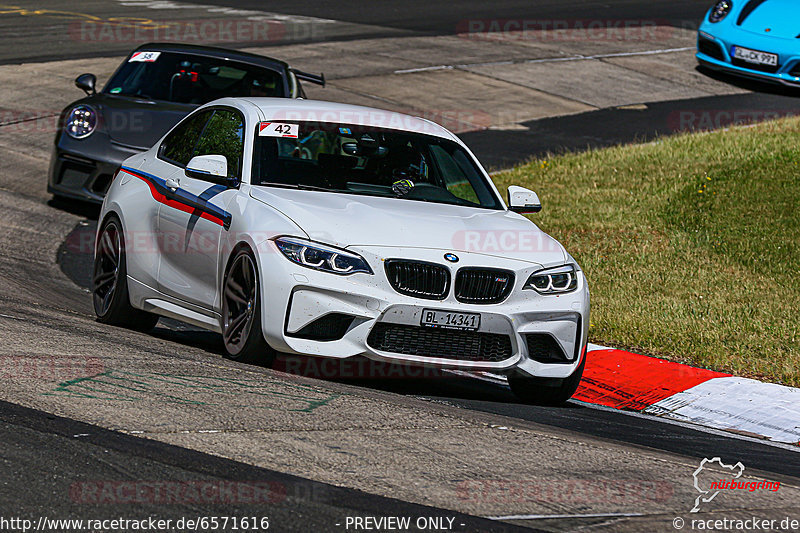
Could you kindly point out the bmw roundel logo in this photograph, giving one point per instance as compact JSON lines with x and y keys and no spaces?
{"x":453,"y":258}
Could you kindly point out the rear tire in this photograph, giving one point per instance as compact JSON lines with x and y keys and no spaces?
{"x":110,"y":282}
{"x":241,"y":312}
{"x":546,"y":391}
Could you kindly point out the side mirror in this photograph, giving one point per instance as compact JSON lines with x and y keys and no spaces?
{"x":522,"y":200}
{"x":87,"y":82}
{"x":213,"y":168}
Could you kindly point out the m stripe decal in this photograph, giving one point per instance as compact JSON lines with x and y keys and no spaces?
{"x":181,"y":200}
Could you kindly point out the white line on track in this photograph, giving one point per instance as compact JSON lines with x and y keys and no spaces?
{"x":603,"y":56}
{"x":546,"y":60}
{"x":424,"y":69}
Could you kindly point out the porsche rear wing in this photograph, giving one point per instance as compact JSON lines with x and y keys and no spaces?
{"x":313,"y":78}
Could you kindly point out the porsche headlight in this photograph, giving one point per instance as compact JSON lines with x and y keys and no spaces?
{"x":720,"y":10}
{"x":320,"y":257}
{"x":81,"y":122}
{"x":558,"y":280}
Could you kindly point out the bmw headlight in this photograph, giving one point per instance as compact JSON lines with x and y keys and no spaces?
{"x":320,"y":257}
{"x":720,"y":10}
{"x":557,"y":280}
{"x":81,"y":122}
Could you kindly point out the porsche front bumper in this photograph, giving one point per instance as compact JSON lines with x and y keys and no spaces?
{"x":83,"y":169}
{"x":714,"y":51}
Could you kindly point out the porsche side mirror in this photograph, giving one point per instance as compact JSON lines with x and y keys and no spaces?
{"x":87,"y":82}
{"x":213,"y":168}
{"x":522,"y":200}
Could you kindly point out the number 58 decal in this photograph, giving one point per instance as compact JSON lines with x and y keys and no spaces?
{"x":278,"y":129}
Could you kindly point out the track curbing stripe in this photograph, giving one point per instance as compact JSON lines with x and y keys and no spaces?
{"x":624,"y":380}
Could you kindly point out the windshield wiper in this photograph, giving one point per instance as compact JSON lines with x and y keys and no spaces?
{"x":296,"y":186}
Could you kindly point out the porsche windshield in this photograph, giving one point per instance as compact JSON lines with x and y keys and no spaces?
{"x":192,"y":79}
{"x":369,"y":161}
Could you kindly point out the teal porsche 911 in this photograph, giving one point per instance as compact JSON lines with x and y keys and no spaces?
{"x":752,"y":38}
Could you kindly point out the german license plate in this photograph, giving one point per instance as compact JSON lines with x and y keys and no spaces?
{"x":450,"y":320}
{"x":755,"y":57}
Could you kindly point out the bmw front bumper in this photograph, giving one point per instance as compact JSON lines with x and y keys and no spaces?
{"x":316,"y":313}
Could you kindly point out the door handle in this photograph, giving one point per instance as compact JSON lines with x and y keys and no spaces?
{"x":173,"y":184}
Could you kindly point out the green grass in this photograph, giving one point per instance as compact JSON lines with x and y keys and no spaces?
{"x":691,"y":244}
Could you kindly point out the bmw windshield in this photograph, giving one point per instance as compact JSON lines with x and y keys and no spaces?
{"x":369,"y":161}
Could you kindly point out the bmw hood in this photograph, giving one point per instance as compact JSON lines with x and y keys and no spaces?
{"x":138,"y":123}
{"x":770,"y":18}
{"x":358,"y":221}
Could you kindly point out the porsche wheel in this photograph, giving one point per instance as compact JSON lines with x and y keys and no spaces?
{"x":241,"y":312}
{"x":546,"y":391}
{"x":110,"y":282}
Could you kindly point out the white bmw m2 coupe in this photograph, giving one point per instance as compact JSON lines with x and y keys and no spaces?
{"x":333,"y":230}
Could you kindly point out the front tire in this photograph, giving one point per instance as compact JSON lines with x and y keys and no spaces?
{"x":546,"y":391}
{"x":110,"y":282}
{"x":241,"y":312}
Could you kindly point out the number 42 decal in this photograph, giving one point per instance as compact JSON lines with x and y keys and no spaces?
{"x":278,"y":129}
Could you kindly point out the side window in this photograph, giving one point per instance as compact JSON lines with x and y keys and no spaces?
{"x":177,"y":148}
{"x":224,"y":135}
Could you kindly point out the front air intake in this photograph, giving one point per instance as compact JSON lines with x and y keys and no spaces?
{"x":544,"y":348}
{"x":710,"y":48}
{"x":470,"y":346}
{"x":330,"y":327}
